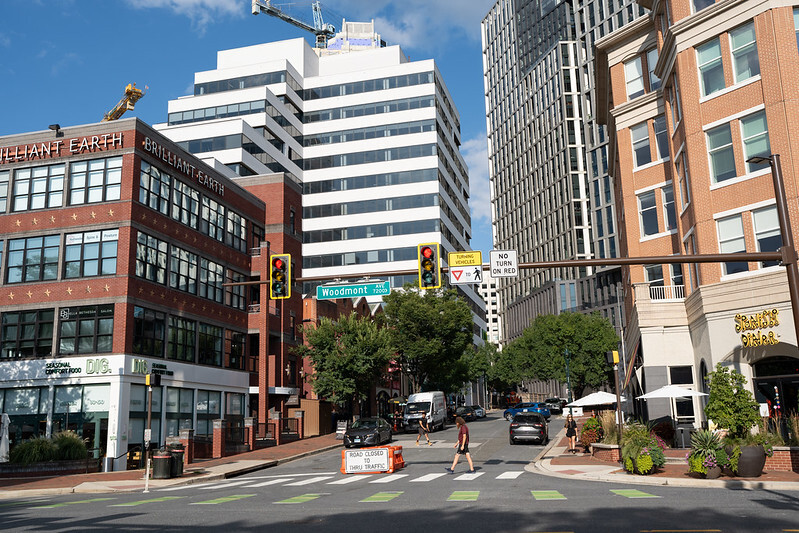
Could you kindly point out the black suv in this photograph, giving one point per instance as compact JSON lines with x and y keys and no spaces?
{"x":554,"y":405}
{"x":528,"y":427}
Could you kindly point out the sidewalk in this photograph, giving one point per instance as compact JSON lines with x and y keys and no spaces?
{"x":556,"y":462}
{"x":200,"y":472}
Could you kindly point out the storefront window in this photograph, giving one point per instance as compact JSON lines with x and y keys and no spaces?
{"x":179,"y":410}
{"x":208,"y":409}
{"x":138,"y":415}
{"x":86,"y":329}
{"x":149,"y":330}
{"x":27,"y":334}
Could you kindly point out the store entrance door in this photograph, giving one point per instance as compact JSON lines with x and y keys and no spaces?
{"x":776,"y":384}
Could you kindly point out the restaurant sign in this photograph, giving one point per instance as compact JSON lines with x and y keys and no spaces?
{"x":756,"y":329}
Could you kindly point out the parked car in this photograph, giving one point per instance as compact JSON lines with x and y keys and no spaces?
{"x":529,"y":427}
{"x":367,"y":432}
{"x":554,"y":405}
{"x":466,"y":412}
{"x":479,"y":412}
{"x":527,"y":407}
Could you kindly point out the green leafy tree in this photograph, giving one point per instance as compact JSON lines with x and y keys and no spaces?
{"x":430,"y":334}
{"x":348,"y":356}
{"x":540,"y":352}
{"x":730,"y":404}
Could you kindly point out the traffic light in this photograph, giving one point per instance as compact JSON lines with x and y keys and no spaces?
{"x":152,"y":380}
{"x":280,"y":276}
{"x":429,"y":267}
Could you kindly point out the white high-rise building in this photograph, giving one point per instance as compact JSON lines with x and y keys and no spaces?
{"x":371,"y":137}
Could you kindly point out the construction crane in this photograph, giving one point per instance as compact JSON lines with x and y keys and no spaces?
{"x":322,"y":30}
{"x":128,"y":102}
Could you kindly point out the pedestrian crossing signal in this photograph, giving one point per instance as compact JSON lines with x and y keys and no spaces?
{"x":280,"y":277}
{"x":429,"y":266}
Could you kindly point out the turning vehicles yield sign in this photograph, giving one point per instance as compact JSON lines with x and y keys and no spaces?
{"x":465,"y":267}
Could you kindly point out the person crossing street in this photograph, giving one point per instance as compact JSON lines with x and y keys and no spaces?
{"x":462,"y":446}
{"x":423,"y":429}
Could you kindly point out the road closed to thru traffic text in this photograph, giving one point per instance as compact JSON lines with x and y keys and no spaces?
{"x":367,"y":460}
{"x":504,"y":264}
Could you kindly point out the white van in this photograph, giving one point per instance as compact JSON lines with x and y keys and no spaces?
{"x":429,"y":405}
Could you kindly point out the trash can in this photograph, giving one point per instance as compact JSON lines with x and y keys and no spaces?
{"x":176,"y":451}
{"x":162,"y":464}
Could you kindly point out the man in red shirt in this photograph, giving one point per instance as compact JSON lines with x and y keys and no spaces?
{"x":462,"y":446}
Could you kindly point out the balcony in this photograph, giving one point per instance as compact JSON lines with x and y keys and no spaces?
{"x":667,"y":292}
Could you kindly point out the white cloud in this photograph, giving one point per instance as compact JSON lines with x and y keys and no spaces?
{"x":475,"y":152}
{"x":200,"y":12}
{"x":5,"y":40}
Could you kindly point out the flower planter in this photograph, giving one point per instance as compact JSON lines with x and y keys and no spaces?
{"x":713,"y":472}
{"x":751,"y":462}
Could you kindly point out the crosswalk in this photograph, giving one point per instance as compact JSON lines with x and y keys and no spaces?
{"x":382,"y":496}
{"x":332,"y":478}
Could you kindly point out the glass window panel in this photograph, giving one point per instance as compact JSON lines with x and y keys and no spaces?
{"x":640,"y":138}
{"x":731,"y":240}
{"x":744,"y":52}
{"x":648,"y":213}
{"x":711,"y":70}
{"x":635,"y":78}
{"x":651,"y":61}
{"x":754,"y":133}
{"x":722,"y":158}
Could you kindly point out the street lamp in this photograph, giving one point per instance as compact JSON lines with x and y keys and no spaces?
{"x":568,"y":380}
{"x":787,"y":249}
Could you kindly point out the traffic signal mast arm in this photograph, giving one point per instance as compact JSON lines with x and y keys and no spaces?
{"x":619,"y":261}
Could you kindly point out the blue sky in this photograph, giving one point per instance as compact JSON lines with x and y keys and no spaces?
{"x":68,"y":61}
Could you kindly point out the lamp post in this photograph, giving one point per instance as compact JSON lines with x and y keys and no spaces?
{"x":568,"y":380}
{"x":787,"y":249}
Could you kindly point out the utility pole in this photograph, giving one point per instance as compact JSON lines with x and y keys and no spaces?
{"x":568,"y":380}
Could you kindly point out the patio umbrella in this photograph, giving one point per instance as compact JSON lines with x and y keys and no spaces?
{"x":595,"y":398}
{"x":671,"y":391}
{"x":6,"y":421}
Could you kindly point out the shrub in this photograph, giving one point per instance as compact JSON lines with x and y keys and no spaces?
{"x":706,"y":451}
{"x":641,"y":450}
{"x":69,"y":446}
{"x":591,"y":432}
{"x":610,"y":428}
{"x":793,"y":424}
{"x":35,"y":450}
{"x":730,"y":404}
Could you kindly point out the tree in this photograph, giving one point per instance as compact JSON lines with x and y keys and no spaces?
{"x":430,"y":334}
{"x":730,"y":404}
{"x":540,"y":353}
{"x":348,"y":356}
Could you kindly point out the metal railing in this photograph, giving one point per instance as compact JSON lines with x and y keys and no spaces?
{"x":667,"y":292}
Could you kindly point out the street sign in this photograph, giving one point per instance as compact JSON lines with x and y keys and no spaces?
{"x":147,"y":436}
{"x":465,"y":267}
{"x":504,"y":264}
{"x":353,"y":290}
{"x":368,"y":460}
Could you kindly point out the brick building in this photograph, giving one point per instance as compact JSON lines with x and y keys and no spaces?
{"x":114,"y":249}
{"x":691,"y":93}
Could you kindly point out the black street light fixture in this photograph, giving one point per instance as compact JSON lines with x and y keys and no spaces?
{"x":787,"y":249}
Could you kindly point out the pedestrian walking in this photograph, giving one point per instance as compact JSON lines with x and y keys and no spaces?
{"x":423,"y":429}
{"x":462,"y":446}
{"x":571,"y":433}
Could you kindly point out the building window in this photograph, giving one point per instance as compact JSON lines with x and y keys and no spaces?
{"x":212,"y":221}
{"x":635,"y":78}
{"x":711,"y":70}
{"x":183,"y":270}
{"x":654,"y":275}
{"x":38,"y":188}
{"x":234,"y":352}
{"x":33,"y":259}
{"x":182,"y":339}
{"x":674,"y":105}
{"x":722,"y":158}
{"x":234,"y":294}
{"x":648,"y":212}
{"x":179,"y":410}
{"x":210,"y":345}
{"x":669,"y":213}
{"x":641,"y":152}
{"x":27,"y":334}
{"x":85,"y":329}
{"x":236,"y":235}
{"x":212,"y":275}
{"x":209,"y":404}
{"x":151,"y":258}
{"x":149,"y":331}
{"x":91,"y":182}
{"x":767,"y":232}
{"x":681,"y":165}
{"x":661,"y":137}
{"x":754,"y":134}
{"x":3,"y":190}
{"x":796,"y":25}
{"x":154,"y":187}
{"x":693,"y":269}
{"x":93,"y":253}
{"x":651,"y":61}
{"x":731,"y":240}
{"x":699,"y":5}
{"x":676,"y":274}
{"x":745,"y":62}
{"x":185,"y":204}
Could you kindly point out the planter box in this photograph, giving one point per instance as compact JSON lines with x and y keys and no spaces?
{"x":49,"y":469}
{"x":606,"y":452}
{"x":785,"y":459}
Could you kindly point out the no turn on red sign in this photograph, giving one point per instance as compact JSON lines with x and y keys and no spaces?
{"x":465,"y":267}
{"x":504,"y":264}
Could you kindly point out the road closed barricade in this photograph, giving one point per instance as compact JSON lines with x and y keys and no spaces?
{"x":375,"y":460}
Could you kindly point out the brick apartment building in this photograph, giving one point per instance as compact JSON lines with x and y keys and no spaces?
{"x":690,"y":93}
{"x":114,"y":249}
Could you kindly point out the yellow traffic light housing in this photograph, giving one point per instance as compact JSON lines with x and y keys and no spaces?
{"x":280,"y":276}
{"x":429,"y":266}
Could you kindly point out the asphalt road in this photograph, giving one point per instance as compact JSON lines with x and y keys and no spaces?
{"x":311,"y":495}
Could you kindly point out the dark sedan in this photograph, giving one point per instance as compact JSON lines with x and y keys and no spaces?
{"x":554,"y":405}
{"x":529,"y":427}
{"x":367,"y":432}
{"x":466,"y":412}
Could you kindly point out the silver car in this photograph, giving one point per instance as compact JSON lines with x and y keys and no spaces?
{"x":479,"y":412}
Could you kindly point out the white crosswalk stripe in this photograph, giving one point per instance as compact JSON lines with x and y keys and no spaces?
{"x":469,"y":477}
{"x":184,"y":487}
{"x":389,"y":479}
{"x":271,"y":482}
{"x":308,"y":481}
{"x":348,"y":480}
{"x":510,"y":475}
{"x":427,"y":477}
{"x":225,"y":485}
